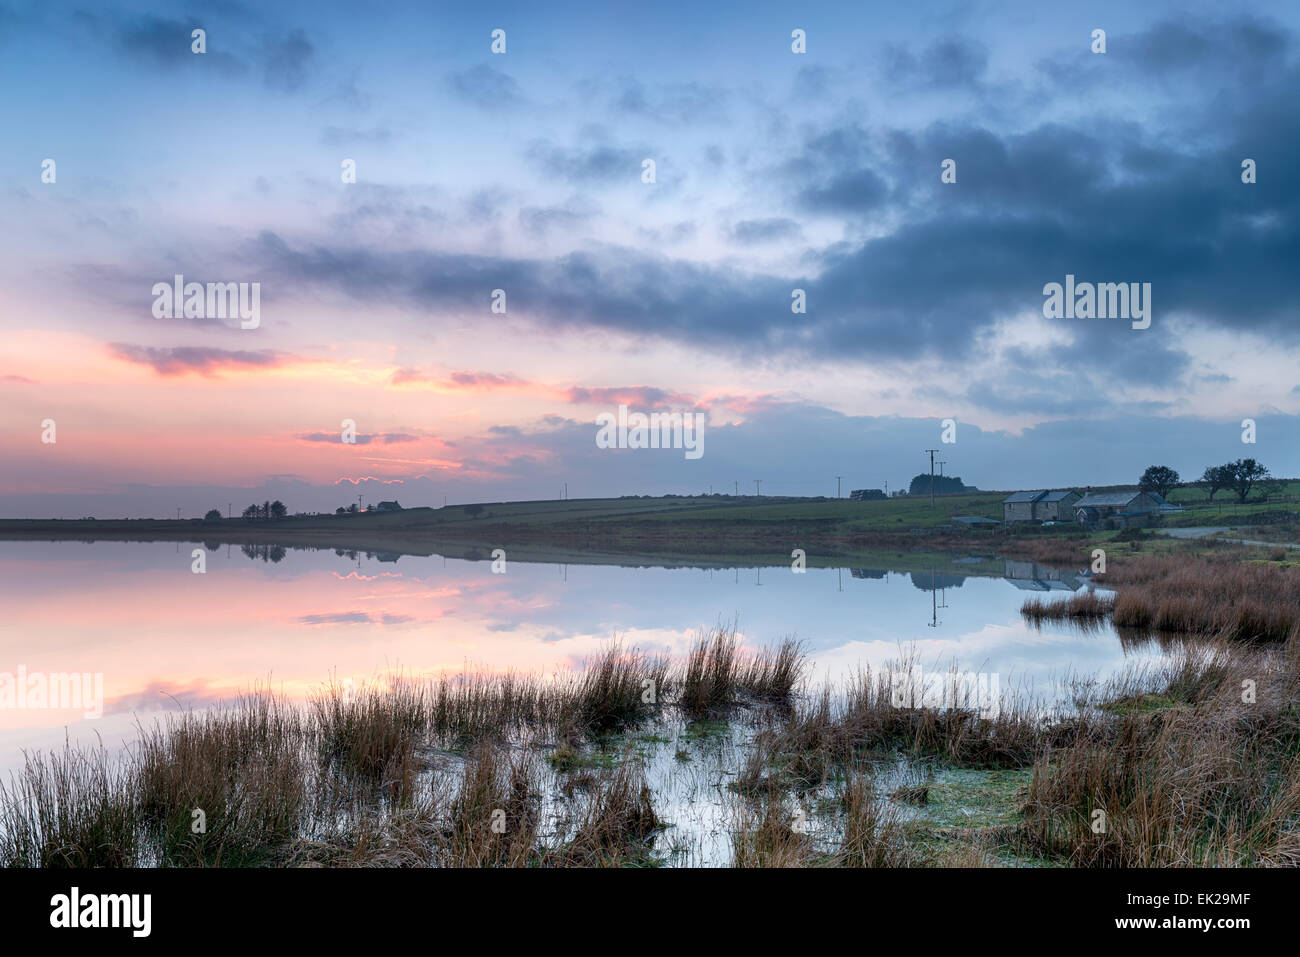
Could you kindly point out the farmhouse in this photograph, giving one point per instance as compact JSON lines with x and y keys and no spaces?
{"x":1039,"y":505}
{"x":1117,"y":509}
{"x":388,"y":507}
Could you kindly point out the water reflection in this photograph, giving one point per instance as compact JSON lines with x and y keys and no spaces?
{"x":165,"y":638}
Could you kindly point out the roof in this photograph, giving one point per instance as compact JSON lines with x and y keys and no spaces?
{"x":1106,"y":499}
{"x":1058,"y":495}
{"x":1032,"y":496}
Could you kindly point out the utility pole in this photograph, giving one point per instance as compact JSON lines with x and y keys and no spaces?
{"x":837,"y":486}
{"x":758,"y":486}
{"x":737,"y":490}
{"x":230,"y":508}
{"x":932,"y":451}
{"x":178,"y":514}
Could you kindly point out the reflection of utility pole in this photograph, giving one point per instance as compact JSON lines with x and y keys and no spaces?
{"x":758,"y":576}
{"x":931,"y":451}
{"x":841,"y":577}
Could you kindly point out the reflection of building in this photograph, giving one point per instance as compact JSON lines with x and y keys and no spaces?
{"x":1030,"y":576}
{"x":868,"y":572}
{"x":929,"y":581}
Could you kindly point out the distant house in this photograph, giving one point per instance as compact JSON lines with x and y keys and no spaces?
{"x":867,"y":495}
{"x":388,"y":507}
{"x":1117,"y":509}
{"x":1039,"y":505}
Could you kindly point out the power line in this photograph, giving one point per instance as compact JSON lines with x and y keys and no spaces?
{"x":932,"y":451}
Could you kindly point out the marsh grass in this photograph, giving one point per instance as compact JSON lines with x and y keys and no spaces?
{"x":1086,"y":606}
{"x":1195,"y":761}
{"x":1242,"y":601}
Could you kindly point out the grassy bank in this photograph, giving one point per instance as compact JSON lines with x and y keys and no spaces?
{"x":1245,"y":601}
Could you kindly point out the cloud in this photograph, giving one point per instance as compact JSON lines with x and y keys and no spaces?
{"x":751,"y":231}
{"x":206,"y":361}
{"x":947,"y":63}
{"x":337,"y":618}
{"x":361,"y":438}
{"x":341,"y":136}
{"x":287,"y":61}
{"x":642,"y":396}
{"x":589,"y":164}
{"x":460,"y":381}
{"x":486,"y":88}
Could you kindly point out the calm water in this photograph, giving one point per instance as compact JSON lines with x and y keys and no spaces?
{"x":165,"y":638}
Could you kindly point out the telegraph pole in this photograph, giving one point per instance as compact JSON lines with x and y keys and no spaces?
{"x":738,"y":490}
{"x":758,"y":486}
{"x":932,"y":451}
{"x":837,"y":485}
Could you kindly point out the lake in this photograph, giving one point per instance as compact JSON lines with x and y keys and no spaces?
{"x":164,"y":638}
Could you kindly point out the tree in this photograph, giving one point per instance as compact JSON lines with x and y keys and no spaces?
{"x":266,"y":510}
{"x":943,"y":484}
{"x":1245,"y":473}
{"x":340,"y":510}
{"x":1216,"y":478}
{"x":1160,"y":479}
{"x":251,"y":511}
{"x":278,"y":509}
{"x":473,"y":511}
{"x":212,"y":515}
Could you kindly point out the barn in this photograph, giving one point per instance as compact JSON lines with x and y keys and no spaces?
{"x":1117,"y":509}
{"x":1039,"y":505}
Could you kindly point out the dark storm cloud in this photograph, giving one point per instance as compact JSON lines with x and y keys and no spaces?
{"x":947,"y":63}
{"x":1104,"y":200}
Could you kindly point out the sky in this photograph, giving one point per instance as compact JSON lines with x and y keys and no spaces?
{"x":524,"y":171}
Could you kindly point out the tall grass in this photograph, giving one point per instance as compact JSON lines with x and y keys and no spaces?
{"x":1242,"y":601}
